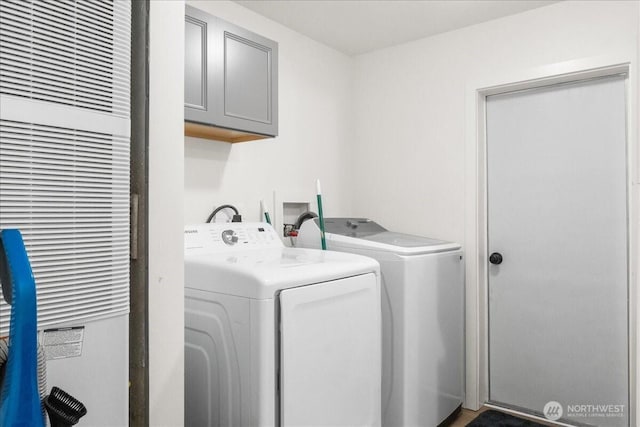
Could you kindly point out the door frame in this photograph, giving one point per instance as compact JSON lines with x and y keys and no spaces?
{"x":476,"y":271}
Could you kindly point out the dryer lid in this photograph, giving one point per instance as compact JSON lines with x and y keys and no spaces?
{"x":261,"y":273}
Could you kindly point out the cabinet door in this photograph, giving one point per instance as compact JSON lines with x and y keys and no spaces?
{"x":246,"y":75}
{"x":198,"y":73}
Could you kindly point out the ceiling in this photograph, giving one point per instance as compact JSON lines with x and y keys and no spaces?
{"x":359,"y":26}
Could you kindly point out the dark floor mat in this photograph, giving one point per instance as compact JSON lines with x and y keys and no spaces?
{"x":493,"y":418}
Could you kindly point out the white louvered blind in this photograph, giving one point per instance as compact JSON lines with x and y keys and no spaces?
{"x":67,"y":52}
{"x":64,"y":151}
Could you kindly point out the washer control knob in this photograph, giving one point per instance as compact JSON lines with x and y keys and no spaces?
{"x":229,"y":237}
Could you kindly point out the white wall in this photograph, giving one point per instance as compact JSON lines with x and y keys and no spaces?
{"x":412,"y":118}
{"x":410,"y":104}
{"x":166,"y":247}
{"x":315,"y":131}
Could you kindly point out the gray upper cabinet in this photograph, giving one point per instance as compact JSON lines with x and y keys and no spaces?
{"x":231,"y":80}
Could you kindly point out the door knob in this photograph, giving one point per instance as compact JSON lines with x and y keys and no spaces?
{"x":495,"y":258}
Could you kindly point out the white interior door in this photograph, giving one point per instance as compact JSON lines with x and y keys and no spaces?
{"x":330,"y":353}
{"x":557,"y":214}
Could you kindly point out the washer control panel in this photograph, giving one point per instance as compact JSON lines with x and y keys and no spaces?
{"x":232,"y":236}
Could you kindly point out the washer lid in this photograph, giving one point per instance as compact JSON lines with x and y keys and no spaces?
{"x":363,"y":233}
{"x":405,"y":240}
{"x":260,"y":273}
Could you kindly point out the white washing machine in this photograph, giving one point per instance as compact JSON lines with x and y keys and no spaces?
{"x":422,"y":317}
{"x":278,"y":336}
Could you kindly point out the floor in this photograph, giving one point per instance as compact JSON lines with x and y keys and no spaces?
{"x":467,"y":415}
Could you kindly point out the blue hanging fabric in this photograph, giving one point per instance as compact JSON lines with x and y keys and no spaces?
{"x":19,"y":399}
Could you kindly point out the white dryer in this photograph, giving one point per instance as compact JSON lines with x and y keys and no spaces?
{"x":422,"y":317}
{"x":278,"y":336}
